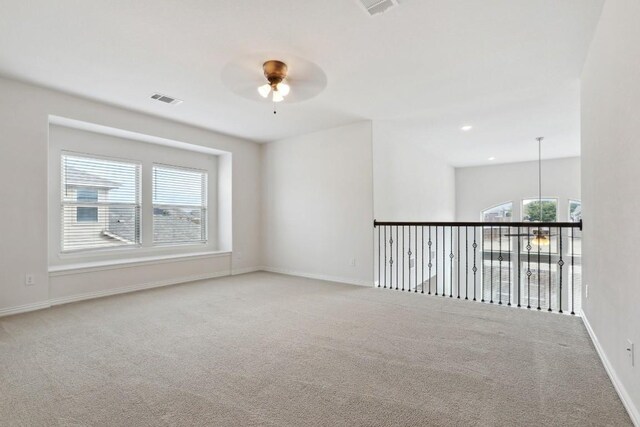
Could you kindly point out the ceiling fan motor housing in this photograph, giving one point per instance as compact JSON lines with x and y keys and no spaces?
{"x":275,"y":72}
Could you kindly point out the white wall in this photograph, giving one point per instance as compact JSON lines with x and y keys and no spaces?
{"x":24,"y":120}
{"x":411,"y":182}
{"x":611,"y":173}
{"x":482,"y":187}
{"x":318,"y":204}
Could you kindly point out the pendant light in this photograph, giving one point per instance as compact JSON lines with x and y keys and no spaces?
{"x":541,"y":237}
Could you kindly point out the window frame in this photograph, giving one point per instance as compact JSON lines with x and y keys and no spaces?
{"x":139,"y":203}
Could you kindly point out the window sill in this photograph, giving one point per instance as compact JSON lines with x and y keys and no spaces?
{"x":87,"y":267}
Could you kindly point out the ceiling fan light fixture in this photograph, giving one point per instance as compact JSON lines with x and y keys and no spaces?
{"x":541,"y":239}
{"x":264,"y":90}
{"x":283,"y":88}
{"x":275,"y":72}
{"x":277,"y":96}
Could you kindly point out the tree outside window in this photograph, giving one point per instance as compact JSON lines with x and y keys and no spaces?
{"x":531,"y":210}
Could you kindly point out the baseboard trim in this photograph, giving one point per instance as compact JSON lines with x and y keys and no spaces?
{"x":9,"y":311}
{"x":319,"y":276}
{"x":135,"y":288}
{"x":246,"y":270}
{"x":633,"y":411}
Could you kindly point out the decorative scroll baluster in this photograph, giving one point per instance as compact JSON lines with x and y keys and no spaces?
{"x":397,"y":257}
{"x":451,"y":261}
{"x":466,"y":263}
{"x":538,"y":274}
{"x":560,"y":263}
{"x":436,"y":259}
{"x":403,"y":263}
{"x":444,"y":261}
{"x":475,"y":269}
{"x":491,"y":265}
{"x":483,"y":275}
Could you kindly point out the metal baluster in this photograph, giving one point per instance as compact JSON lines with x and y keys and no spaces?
{"x":379,"y":263}
{"x":458,"y":262}
{"x":466,"y":262}
{"x":528,"y":267}
{"x":500,"y":266}
{"x":390,"y":241}
{"x":475,"y":269}
{"x":539,"y":266}
{"x":436,"y":258}
{"x":491,"y":265}
{"x":560,"y":263}
{"x":397,"y":256}
{"x":483,"y":275}
{"x":422,"y":229}
{"x":403,"y":263}
{"x":409,"y":261}
{"x":385,"y":257}
{"x":549,"y":309}
{"x":510,"y":264}
{"x":429,"y":245}
{"x":444,"y":262}
{"x":451,"y":261}
{"x":415,"y":264}
{"x":519,"y":266}
{"x":573,"y":271}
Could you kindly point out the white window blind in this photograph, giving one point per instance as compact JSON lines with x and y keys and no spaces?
{"x":179,"y":205}
{"x":100,"y":203}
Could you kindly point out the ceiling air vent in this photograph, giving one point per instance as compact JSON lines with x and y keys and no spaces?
{"x":166,"y":99}
{"x":378,"y":6}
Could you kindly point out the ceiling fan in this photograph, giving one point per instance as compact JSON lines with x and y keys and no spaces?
{"x":275,"y":72}
{"x":289,"y":78}
{"x":541,"y":237}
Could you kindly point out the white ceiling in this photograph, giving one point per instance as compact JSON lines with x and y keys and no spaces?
{"x":510,"y":68}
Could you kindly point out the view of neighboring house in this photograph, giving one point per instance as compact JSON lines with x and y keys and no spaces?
{"x":89,"y":220}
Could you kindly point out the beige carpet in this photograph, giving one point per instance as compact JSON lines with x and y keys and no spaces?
{"x":266,"y":349}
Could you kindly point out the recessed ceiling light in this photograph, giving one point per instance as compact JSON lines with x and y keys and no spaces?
{"x":491,"y":158}
{"x":466,"y":128}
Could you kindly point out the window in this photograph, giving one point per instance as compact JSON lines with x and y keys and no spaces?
{"x":100,"y":203}
{"x":575,"y":210}
{"x":494,"y":237}
{"x":83,"y":213}
{"x":500,"y":213}
{"x":179,"y":205}
{"x":531,"y":210}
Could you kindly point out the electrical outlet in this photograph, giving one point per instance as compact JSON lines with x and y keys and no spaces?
{"x":586,"y":291}
{"x":630,"y":352}
{"x":29,"y":279}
